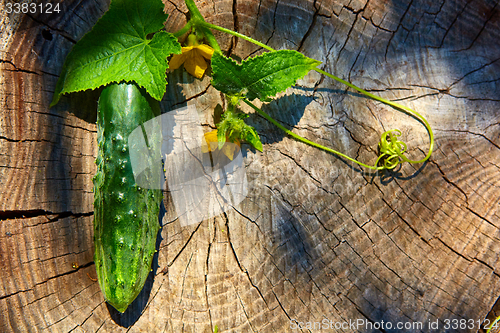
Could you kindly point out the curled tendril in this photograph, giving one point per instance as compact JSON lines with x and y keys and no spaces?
{"x":391,"y":149}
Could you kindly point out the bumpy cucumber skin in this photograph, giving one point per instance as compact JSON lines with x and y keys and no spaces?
{"x":125,"y":215}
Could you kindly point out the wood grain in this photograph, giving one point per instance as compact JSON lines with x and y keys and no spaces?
{"x":317,"y":238}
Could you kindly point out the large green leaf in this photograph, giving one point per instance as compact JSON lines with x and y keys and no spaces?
{"x":260,"y":77}
{"x":118,"y":49}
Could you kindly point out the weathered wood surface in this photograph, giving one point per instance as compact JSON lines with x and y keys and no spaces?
{"x":316,"y":238}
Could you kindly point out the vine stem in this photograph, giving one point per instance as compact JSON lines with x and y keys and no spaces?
{"x":184,"y":29}
{"x":364,"y":92}
{"x":304,"y":140}
{"x":237,"y":34}
{"x":494,"y":324}
{"x":197,"y":20}
{"x":394,"y":105}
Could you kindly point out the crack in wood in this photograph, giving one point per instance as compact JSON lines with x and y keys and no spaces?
{"x":448,"y":29}
{"x":193,"y":97}
{"x":16,"y":69}
{"x":22,"y":214}
{"x":185,"y":245}
{"x":311,"y":26}
{"x":59,"y":31}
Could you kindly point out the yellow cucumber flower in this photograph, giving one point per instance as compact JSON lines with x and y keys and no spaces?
{"x":193,"y":57}
{"x":212,"y":144}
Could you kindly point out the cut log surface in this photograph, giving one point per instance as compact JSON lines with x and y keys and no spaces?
{"x":318,"y":242}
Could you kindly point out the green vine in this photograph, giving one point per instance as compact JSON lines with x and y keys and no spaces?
{"x":391,"y":148}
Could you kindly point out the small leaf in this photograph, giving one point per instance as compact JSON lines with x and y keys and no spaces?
{"x":233,"y":128}
{"x":253,"y":139}
{"x":118,"y":49}
{"x":221,"y":136}
{"x":261,"y":77}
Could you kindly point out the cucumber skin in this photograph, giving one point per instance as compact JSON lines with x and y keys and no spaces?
{"x":125,"y":216}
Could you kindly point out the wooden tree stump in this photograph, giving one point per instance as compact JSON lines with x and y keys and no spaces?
{"x":317,"y":239}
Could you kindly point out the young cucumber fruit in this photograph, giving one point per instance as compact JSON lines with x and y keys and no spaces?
{"x":125,"y":215}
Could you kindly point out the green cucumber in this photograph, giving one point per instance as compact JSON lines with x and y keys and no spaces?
{"x":125,"y":215}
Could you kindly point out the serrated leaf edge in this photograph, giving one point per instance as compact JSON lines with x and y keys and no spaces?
{"x":65,"y":69}
{"x":313,"y":61}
